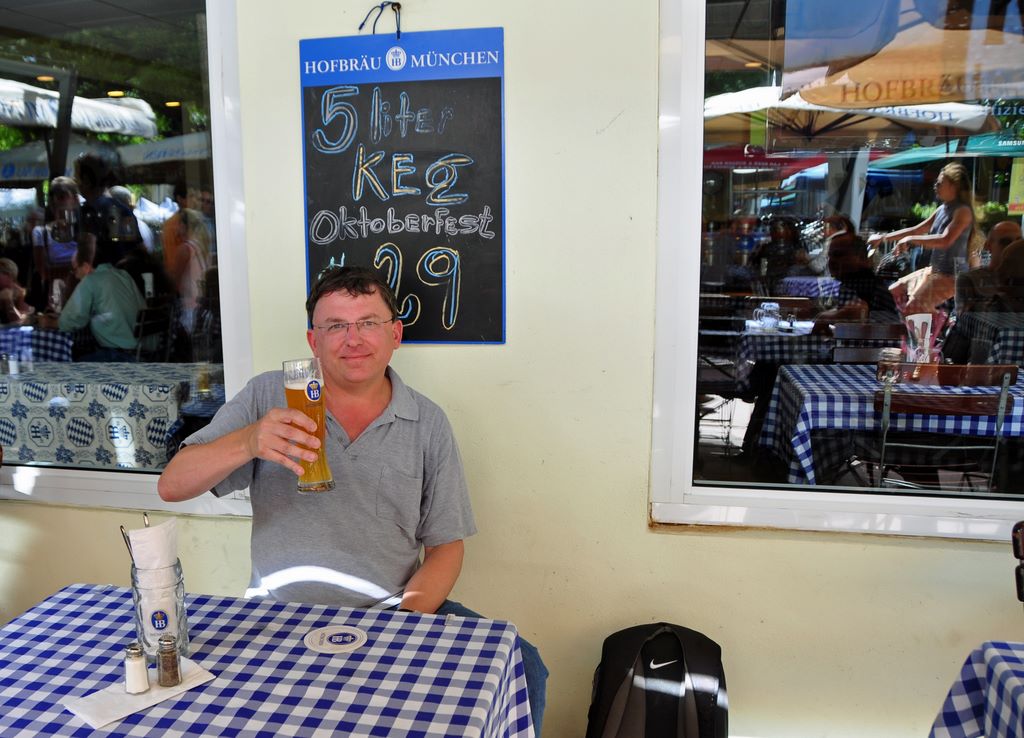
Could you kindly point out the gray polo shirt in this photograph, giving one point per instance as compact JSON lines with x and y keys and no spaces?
{"x":398,"y":486}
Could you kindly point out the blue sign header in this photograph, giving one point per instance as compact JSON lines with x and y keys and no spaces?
{"x":465,"y":54}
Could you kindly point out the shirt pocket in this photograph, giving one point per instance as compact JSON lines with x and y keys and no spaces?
{"x":398,"y":498}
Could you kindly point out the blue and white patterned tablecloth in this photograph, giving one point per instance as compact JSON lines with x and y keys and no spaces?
{"x":1001,"y":333}
{"x":842,"y":397}
{"x":417,"y":675}
{"x":35,"y":344}
{"x":987,"y":699}
{"x":809,"y":287}
{"x":100,"y":415}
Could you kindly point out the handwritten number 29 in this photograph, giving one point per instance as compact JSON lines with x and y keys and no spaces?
{"x":390,"y":258}
{"x":438,"y":267}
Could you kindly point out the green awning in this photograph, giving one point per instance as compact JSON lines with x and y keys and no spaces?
{"x":995,"y":144}
{"x":918,"y":155}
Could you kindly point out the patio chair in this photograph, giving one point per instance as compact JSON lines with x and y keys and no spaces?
{"x":917,"y":457}
{"x":861,"y":343}
{"x":153,"y":332}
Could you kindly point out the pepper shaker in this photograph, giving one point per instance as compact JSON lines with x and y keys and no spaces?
{"x":168,"y":665}
{"x":136,"y":679}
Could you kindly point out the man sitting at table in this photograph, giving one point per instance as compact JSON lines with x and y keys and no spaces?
{"x":400,"y":483}
{"x":107,"y":300}
{"x":863,"y":295}
{"x":976,"y":289}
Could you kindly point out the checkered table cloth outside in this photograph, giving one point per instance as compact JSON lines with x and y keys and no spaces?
{"x":417,"y":675}
{"x":842,"y":397}
{"x":120,"y":415}
{"x":809,"y":287}
{"x":1003,"y":332}
{"x":35,"y":344}
{"x":987,"y":699}
{"x":780,"y":348}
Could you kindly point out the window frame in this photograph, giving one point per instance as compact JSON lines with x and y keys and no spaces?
{"x":674,"y":499}
{"x":137,"y":490}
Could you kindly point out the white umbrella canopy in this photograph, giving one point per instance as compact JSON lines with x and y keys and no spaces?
{"x":30,"y":163}
{"x":798,"y":121}
{"x":25,"y":105}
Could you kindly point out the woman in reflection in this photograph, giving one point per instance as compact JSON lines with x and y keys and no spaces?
{"x":190,"y":264}
{"x":946,"y":232}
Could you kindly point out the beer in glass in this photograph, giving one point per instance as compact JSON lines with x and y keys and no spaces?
{"x":303,"y":390}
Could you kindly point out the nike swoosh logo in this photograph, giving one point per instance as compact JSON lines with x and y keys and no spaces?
{"x":664,"y":663}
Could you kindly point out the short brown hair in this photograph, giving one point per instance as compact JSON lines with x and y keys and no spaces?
{"x":354,"y":280}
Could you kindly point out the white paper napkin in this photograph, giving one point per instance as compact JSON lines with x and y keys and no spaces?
{"x":113,"y":703}
{"x":156,"y":547}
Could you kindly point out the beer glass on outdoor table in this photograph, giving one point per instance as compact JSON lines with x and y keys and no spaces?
{"x":303,"y":390}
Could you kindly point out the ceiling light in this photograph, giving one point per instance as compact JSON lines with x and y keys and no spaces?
{"x":115,"y":93}
{"x":173,"y":103}
{"x":752,"y":65}
{"x":45,"y":78}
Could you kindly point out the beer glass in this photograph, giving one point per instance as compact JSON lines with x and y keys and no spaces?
{"x":303,"y":389}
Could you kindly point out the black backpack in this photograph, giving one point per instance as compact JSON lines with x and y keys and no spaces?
{"x":659,"y":681}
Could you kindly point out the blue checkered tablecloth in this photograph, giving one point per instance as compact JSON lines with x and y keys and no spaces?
{"x":841,"y":397}
{"x":987,"y":699}
{"x":37,"y":344}
{"x":779,"y":348}
{"x":809,"y":287}
{"x":117,"y":415}
{"x":417,"y":675}
{"x":1003,"y":333}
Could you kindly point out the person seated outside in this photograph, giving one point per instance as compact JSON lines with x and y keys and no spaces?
{"x":13,"y":307}
{"x":783,"y":255}
{"x":401,"y":491}
{"x":863,"y":295}
{"x":107,"y":301}
{"x":976,"y":289}
{"x":1010,"y":279}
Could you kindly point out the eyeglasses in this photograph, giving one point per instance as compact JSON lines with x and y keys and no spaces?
{"x":363,"y":327}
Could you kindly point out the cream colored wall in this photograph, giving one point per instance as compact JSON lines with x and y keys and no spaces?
{"x":823,"y":635}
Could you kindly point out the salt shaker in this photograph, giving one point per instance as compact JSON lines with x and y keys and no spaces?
{"x":136,"y":679}
{"x":168,"y":665}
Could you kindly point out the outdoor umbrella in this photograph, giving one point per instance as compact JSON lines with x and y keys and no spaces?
{"x":25,"y":105}
{"x":924,"y":64}
{"x":794,"y":122}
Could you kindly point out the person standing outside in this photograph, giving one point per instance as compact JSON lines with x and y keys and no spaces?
{"x":400,"y":483}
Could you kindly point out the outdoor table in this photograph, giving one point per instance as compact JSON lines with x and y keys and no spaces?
{"x":840,"y":397}
{"x":987,"y":698}
{"x":416,"y":675}
{"x":35,"y":344}
{"x":798,"y":346}
{"x":1000,"y":335}
{"x":120,"y":415}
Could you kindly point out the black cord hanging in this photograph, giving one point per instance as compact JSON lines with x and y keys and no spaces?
{"x":396,"y":7}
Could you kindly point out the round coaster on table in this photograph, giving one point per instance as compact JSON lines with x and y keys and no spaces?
{"x":335,"y":639}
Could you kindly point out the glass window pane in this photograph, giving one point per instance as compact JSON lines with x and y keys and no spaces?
{"x":111,"y":335}
{"x":862,"y":190}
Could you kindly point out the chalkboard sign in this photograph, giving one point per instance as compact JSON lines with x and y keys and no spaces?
{"x":403,"y":145}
